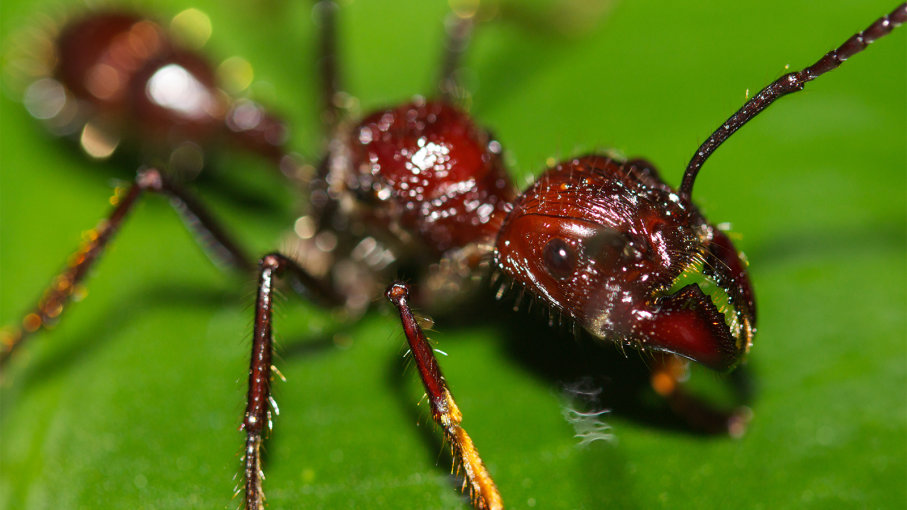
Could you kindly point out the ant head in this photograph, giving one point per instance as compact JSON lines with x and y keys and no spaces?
{"x":616,"y":249}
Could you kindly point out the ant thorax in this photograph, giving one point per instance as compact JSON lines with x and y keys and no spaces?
{"x":420,"y":186}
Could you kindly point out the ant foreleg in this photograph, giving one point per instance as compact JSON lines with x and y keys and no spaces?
{"x":444,"y":409}
{"x":258,"y":399}
{"x":667,"y":378}
{"x":196,"y":217}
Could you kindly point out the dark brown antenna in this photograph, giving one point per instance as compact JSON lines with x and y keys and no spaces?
{"x":786,"y":84}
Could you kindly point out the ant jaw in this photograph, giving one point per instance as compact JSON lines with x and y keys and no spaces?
{"x":691,"y":323}
{"x":707,"y":314}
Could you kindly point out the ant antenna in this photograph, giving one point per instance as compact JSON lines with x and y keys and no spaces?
{"x":791,"y":82}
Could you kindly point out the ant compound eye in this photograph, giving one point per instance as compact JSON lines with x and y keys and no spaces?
{"x":560,"y":260}
{"x":611,"y":247}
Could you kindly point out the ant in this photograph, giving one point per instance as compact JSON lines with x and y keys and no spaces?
{"x":556,"y":251}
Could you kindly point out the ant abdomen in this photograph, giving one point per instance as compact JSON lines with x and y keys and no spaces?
{"x":117,"y":76}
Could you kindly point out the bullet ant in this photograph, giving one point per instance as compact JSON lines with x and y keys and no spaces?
{"x":560,"y":260}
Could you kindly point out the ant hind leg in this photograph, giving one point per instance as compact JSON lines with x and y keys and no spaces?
{"x":210,"y":235}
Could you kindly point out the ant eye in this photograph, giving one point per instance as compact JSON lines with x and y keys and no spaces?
{"x":559,"y":258}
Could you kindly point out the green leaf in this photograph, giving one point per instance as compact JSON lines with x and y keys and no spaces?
{"x":134,"y":400}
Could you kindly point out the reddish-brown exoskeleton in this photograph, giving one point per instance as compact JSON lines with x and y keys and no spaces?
{"x":604,"y":242}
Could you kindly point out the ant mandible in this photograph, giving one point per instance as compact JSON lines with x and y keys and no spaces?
{"x":719,"y":326}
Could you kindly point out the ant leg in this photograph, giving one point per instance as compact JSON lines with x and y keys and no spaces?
{"x":667,"y":378}
{"x":322,"y":206}
{"x":570,"y":19}
{"x":444,"y":409}
{"x":258,"y":399}
{"x":208,"y":232}
{"x":326,"y":12}
{"x":196,"y":217}
{"x":459,"y":27}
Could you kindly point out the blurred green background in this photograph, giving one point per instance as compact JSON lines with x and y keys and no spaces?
{"x":134,"y":400}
